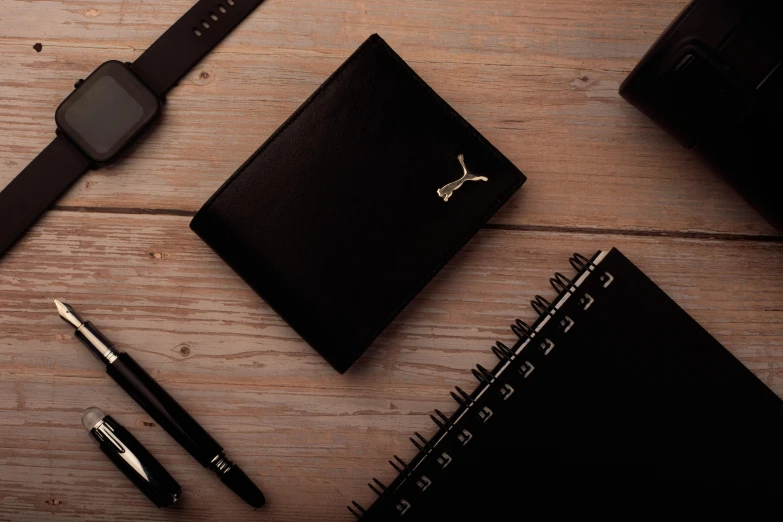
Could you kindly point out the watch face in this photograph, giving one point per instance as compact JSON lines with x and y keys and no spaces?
{"x":105,"y":113}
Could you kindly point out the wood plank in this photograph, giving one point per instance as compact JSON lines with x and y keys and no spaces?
{"x":312,"y":438}
{"x":523,"y":31}
{"x":539,"y":79}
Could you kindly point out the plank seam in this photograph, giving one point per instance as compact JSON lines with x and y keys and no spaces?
{"x":706,"y":236}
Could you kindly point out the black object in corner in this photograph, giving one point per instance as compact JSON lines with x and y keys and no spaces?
{"x":714,"y":81}
{"x":615,"y":404}
{"x":340,"y":218}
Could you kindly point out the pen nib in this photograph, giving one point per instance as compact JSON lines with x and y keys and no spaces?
{"x":68,"y":314}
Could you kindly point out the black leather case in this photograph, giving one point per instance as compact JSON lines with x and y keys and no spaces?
{"x":714,"y":81}
{"x":337,"y":222}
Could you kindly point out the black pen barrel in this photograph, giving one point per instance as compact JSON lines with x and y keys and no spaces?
{"x":163,"y":409}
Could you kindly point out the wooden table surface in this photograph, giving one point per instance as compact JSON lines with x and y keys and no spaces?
{"x":539,"y":79}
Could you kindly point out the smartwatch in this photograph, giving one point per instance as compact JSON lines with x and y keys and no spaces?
{"x":109,"y":109}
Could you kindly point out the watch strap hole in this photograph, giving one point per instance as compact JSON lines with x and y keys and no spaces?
{"x":213,"y":16}
{"x":205,"y":24}
{"x":196,"y":31}
{"x":221,"y":8}
{"x":230,"y":2}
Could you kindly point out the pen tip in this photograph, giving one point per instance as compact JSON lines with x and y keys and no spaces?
{"x":67,"y":313}
{"x":60,"y":305}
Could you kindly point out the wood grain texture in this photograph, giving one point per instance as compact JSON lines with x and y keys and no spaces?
{"x":311,"y":437}
{"x":539,"y":79}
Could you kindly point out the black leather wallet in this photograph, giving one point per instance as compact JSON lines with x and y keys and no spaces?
{"x":356,"y":202}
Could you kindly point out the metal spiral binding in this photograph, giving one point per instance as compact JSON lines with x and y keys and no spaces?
{"x":384,"y":489}
{"x":483,"y":375}
{"x":463,"y":399}
{"x":357,"y":506}
{"x":580,"y":263}
{"x":419,"y":446}
{"x":522,"y":330}
{"x":405,"y":470}
{"x":486,"y":373}
{"x":509,"y":357}
{"x":505,"y":349}
{"x":443,"y":422}
{"x":543,"y":307}
{"x":562,"y":284}
{"x":502,"y":352}
{"x":480,"y":378}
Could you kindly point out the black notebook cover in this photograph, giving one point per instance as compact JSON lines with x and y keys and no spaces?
{"x":341,"y":217}
{"x":615,"y":403}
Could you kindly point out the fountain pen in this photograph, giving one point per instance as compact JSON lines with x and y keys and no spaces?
{"x":162,"y":408}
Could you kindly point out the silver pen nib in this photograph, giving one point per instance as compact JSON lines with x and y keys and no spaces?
{"x":68,"y":314}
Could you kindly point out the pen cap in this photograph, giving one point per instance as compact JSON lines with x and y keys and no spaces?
{"x":131,"y":457}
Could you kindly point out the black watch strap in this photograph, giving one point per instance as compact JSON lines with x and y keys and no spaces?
{"x":38,"y":186}
{"x":186,"y":42}
{"x":161,"y":66}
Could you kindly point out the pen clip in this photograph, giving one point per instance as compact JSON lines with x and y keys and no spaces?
{"x":106,"y":433}
{"x":131,"y":457}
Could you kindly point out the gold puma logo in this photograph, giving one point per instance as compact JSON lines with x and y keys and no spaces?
{"x":449,"y":190}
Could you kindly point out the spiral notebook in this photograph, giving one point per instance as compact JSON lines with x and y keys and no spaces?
{"x":615,"y":402}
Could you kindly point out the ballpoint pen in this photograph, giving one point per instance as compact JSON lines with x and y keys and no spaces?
{"x":162,"y":408}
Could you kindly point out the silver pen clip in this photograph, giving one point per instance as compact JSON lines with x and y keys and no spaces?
{"x":131,"y":457}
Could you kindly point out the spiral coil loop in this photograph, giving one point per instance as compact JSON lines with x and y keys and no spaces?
{"x":543,"y":307}
{"x":486,"y":373}
{"x":463,"y":399}
{"x":403,"y":468}
{"x":505,"y":349}
{"x":384,"y":489}
{"x":357,"y":506}
{"x":580,"y":263}
{"x":441,"y":420}
{"x":503,"y":356}
{"x":480,"y":378}
{"x":562,"y":284}
{"x":522,"y":330}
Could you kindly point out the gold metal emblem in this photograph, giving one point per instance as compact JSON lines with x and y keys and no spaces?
{"x":449,"y":190}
